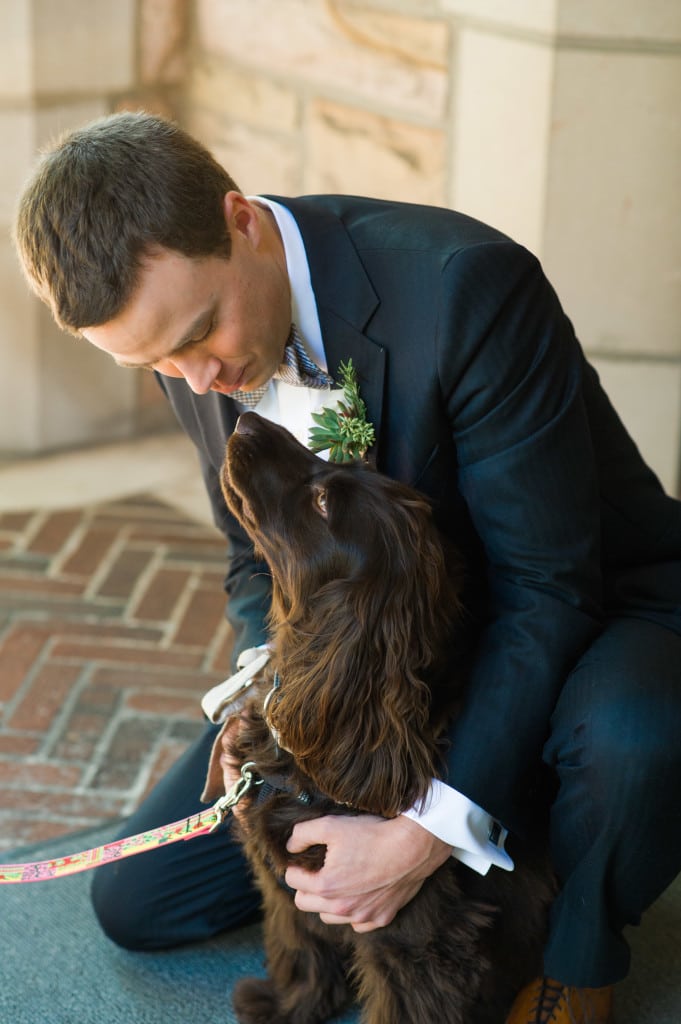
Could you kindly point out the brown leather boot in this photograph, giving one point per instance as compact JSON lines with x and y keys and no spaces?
{"x":546,"y":1001}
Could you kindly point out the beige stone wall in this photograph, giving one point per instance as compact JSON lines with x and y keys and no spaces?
{"x":313,"y":96}
{"x":556,"y":120}
{"x":64,"y":62}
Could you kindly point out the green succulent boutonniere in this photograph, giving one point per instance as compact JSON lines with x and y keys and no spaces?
{"x":344,"y":431}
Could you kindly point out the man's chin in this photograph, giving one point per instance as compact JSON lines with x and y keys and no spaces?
{"x":229,"y":389}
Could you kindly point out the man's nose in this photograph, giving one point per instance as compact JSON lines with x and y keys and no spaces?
{"x":198,"y":369}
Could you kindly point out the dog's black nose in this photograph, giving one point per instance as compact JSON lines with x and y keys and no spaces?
{"x":247,"y":422}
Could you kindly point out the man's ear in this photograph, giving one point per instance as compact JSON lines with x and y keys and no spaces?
{"x":241,"y":217}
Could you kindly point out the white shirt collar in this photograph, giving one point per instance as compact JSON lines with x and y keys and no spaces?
{"x":303,"y":304}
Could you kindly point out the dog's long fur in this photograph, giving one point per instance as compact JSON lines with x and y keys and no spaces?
{"x":366,"y":632}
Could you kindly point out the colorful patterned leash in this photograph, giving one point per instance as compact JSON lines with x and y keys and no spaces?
{"x":199,"y":824}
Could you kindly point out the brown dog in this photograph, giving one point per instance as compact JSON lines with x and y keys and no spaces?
{"x":362,"y":681}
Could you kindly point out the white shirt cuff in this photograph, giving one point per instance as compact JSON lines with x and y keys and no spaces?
{"x":476,"y":838}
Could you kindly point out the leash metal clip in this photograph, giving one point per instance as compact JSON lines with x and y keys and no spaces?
{"x":223,"y":806}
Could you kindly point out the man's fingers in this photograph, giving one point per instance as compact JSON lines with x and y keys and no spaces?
{"x":308,"y":833}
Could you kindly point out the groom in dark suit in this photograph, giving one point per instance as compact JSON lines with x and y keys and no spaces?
{"x":482,"y":399}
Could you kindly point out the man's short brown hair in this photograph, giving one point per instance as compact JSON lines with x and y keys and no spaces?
{"x":105,"y":196}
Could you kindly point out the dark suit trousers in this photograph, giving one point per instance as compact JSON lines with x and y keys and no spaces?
{"x":615,"y":825}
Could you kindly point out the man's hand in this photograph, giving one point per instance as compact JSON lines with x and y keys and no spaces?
{"x":373,"y":867}
{"x":231,"y":772}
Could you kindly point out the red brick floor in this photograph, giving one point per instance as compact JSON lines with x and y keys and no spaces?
{"x":111,"y":627}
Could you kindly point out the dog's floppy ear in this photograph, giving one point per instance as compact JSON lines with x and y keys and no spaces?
{"x":354,"y":707}
{"x":356,"y":724}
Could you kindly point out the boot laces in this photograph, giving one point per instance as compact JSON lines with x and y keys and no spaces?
{"x":549,"y":998}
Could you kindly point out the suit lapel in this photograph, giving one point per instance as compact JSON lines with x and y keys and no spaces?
{"x":345,"y":298}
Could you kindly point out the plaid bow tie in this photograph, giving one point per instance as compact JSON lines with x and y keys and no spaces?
{"x":297,"y":368}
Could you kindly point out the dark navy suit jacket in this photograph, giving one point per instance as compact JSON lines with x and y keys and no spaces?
{"x":483,"y":400}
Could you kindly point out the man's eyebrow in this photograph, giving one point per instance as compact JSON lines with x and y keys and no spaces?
{"x":194,"y":329}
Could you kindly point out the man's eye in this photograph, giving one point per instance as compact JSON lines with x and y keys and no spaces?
{"x":206,"y":334}
{"x":320,"y":496}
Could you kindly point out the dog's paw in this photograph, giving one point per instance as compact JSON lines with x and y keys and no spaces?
{"x":255,"y":1002}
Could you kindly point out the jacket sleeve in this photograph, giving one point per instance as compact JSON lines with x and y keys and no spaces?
{"x":248,"y":581}
{"x":208,"y":421}
{"x":511,"y":370}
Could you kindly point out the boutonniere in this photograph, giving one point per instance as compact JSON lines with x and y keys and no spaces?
{"x":344,"y":430}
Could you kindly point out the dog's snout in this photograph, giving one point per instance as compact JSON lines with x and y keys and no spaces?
{"x":246,"y":423}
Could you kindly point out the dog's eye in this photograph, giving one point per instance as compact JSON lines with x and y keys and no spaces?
{"x":320,"y":500}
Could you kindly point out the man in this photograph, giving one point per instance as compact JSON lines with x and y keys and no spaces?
{"x":481,"y":398}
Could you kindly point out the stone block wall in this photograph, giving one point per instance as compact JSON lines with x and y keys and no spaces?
{"x":64,"y":62}
{"x":301,"y":96}
{"x":556,"y":120}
